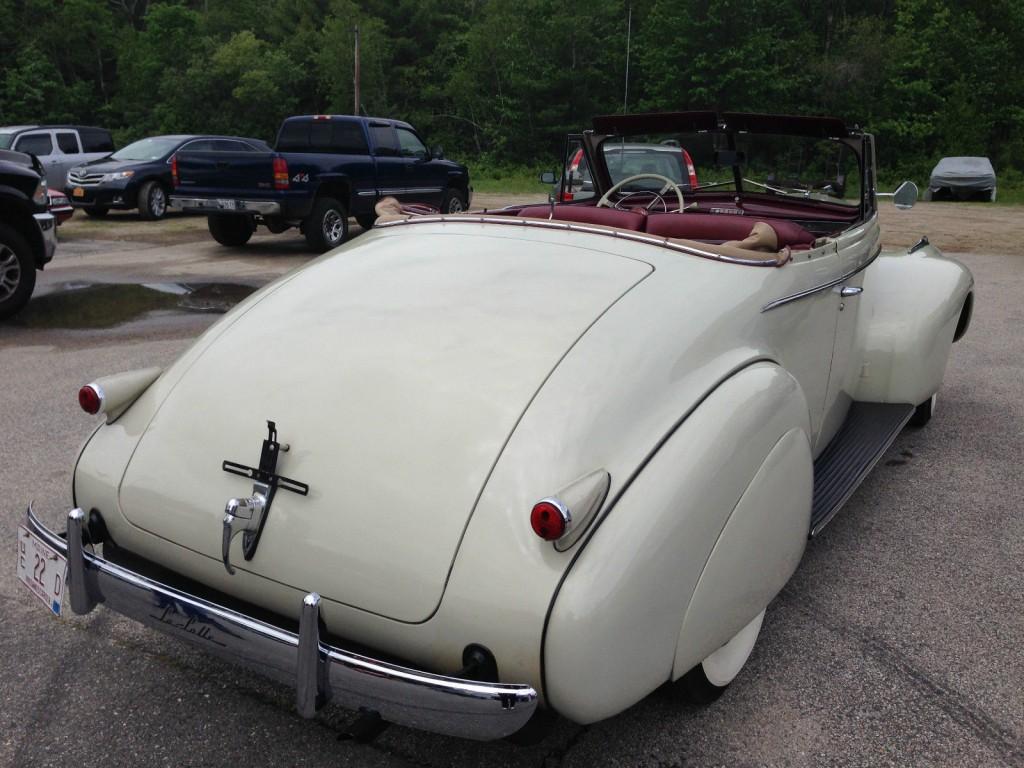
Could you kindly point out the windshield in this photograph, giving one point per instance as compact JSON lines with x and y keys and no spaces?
{"x":797,"y":166}
{"x":147,"y":149}
{"x":5,"y":139}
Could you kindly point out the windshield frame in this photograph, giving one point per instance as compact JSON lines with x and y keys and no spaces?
{"x":731,"y":127}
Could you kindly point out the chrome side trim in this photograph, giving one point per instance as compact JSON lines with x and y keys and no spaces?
{"x":621,"y":234}
{"x":265,"y":207}
{"x":319,"y":672}
{"x":409,"y":190}
{"x":823,"y":287}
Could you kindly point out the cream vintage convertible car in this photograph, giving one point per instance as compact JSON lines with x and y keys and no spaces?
{"x":471,"y":467}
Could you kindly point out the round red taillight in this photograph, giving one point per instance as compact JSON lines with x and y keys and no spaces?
{"x":90,"y":398}
{"x":549,"y":519}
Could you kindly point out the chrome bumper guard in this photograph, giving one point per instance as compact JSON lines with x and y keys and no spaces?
{"x":320,"y":673}
{"x":47,"y":224}
{"x":215,"y":205}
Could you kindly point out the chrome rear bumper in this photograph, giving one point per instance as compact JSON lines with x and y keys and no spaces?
{"x":214,"y":205}
{"x":320,"y":673}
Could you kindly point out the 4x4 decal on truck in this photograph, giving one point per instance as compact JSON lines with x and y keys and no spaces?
{"x":300,"y":178}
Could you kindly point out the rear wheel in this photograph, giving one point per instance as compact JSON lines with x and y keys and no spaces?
{"x":17,"y":272}
{"x":709,"y":679}
{"x":327,"y":225}
{"x":230,"y":230}
{"x":152,"y":201}
{"x":923,"y":412}
{"x":96,"y":213}
{"x":454,"y":202}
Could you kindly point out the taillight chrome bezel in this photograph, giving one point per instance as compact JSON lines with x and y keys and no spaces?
{"x":577,"y":506}
{"x":562,"y":518}
{"x":85,"y":401}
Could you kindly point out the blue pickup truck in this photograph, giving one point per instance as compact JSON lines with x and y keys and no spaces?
{"x":324,"y":168}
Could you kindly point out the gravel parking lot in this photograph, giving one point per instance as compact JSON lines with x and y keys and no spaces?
{"x":900,"y":640}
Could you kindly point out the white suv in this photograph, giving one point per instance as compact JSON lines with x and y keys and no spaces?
{"x":58,"y":147}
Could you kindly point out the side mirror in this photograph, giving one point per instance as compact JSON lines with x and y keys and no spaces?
{"x":547,"y":177}
{"x":905,"y":195}
{"x":437,"y":153}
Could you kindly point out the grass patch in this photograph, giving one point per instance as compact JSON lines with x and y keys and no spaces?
{"x":518,"y":181}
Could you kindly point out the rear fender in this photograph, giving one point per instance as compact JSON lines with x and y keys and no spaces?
{"x":913,"y":307}
{"x":337,"y":187}
{"x":614,"y":627}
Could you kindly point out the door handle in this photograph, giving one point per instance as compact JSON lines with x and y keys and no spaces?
{"x":848,"y":290}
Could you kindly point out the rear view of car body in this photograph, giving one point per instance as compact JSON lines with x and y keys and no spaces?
{"x":458,"y":564}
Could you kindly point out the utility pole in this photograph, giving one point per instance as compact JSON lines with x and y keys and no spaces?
{"x":355,"y":76}
{"x":629,"y":30}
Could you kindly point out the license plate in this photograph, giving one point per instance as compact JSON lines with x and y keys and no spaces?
{"x":41,"y":568}
{"x":227,"y":205}
{"x":78,"y":192}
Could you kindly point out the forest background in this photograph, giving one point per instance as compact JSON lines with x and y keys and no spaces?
{"x":500,"y":83}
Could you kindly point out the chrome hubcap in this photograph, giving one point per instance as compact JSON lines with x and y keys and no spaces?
{"x":157,"y":202}
{"x":455,"y":205}
{"x":334,"y":226}
{"x":10,"y":272}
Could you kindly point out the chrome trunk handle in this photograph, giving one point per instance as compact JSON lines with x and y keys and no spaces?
{"x":243,"y":516}
{"x":848,"y":290}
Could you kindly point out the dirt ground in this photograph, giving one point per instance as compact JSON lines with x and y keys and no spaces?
{"x":954,"y":227}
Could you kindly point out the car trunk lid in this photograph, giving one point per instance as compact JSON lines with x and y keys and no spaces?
{"x":395,"y":372}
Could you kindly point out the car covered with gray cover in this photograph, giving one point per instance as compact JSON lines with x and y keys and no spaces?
{"x":962,"y":178}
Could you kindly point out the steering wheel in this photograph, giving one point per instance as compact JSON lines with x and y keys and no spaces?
{"x":669,"y":185}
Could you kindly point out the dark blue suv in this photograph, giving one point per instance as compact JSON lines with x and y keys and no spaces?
{"x":139,"y":176}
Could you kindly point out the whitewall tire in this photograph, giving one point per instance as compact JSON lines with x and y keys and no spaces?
{"x":709,"y":679}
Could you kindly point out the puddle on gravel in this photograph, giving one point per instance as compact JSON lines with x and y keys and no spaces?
{"x":107,"y":305}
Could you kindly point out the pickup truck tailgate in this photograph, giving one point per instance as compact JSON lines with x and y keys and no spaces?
{"x":225,"y":173}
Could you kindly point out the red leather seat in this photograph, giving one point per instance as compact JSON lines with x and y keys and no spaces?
{"x":589,"y":214}
{"x":718,"y":228}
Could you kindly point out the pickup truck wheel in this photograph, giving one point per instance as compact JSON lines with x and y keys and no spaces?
{"x":454,"y":202}
{"x":708,"y":680}
{"x":17,"y":272}
{"x":366,"y":220}
{"x":230,"y":230}
{"x":96,"y":213}
{"x":152,"y":201}
{"x":327,"y":225}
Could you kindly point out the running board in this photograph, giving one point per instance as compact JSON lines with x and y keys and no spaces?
{"x":868,"y":431}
